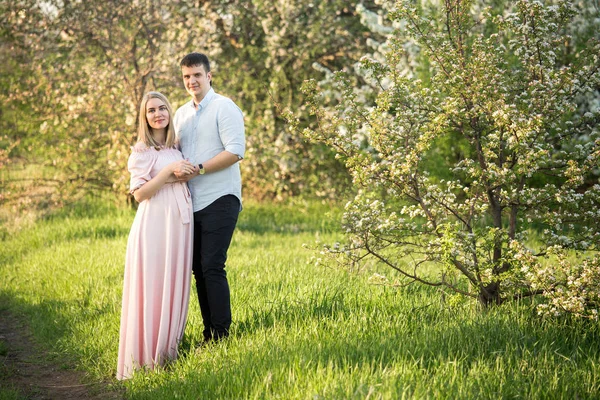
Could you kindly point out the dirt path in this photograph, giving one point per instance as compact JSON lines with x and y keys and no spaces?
{"x":24,"y":370}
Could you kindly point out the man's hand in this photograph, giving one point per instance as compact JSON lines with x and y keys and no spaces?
{"x":182,"y":176}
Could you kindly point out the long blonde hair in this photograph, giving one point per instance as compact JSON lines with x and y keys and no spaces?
{"x":144,"y":130}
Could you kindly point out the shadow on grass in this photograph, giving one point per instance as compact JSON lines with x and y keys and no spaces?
{"x":49,"y":233}
{"x":48,"y":321}
{"x":45,"y":367}
{"x":88,"y":207}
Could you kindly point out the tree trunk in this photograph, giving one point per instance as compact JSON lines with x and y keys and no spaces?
{"x":490,"y":295}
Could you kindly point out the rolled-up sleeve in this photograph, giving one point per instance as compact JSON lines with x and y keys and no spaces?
{"x":230,"y":120}
{"x":139,"y":165}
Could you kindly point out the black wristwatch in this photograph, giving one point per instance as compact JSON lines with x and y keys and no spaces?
{"x":201,"y":170}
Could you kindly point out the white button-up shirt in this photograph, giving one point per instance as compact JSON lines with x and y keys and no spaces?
{"x":216,"y":125}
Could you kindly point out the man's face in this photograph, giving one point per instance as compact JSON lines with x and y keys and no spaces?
{"x":196,"y":81}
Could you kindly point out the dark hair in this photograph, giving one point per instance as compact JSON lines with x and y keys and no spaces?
{"x":194,"y":59}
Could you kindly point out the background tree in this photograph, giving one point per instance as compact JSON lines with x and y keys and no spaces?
{"x":262,"y":51}
{"x":504,"y":88}
{"x":84,"y":69}
{"x":77,"y":70}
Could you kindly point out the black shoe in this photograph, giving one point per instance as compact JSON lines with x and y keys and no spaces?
{"x":219,"y":337}
{"x":204,"y":344}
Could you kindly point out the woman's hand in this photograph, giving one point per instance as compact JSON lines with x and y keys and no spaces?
{"x":167,"y":174}
{"x":184,"y":174}
{"x":182,"y":167}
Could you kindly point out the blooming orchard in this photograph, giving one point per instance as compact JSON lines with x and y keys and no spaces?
{"x":478,"y":171}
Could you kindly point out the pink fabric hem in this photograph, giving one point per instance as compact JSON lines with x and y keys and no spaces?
{"x":157,"y":272}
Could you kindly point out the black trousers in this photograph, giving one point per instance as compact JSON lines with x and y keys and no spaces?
{"x":213,"y":229}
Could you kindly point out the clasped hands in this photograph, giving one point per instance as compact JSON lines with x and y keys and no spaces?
{"x":184,"y":170}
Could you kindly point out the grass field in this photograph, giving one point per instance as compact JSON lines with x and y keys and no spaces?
{"x":300,"y":331}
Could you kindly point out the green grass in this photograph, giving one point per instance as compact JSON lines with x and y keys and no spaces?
{"x":300,"y":331}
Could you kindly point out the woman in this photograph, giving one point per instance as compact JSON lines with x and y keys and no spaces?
{"x":159,"y":250}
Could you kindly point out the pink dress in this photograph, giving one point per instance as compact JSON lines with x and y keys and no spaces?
{"x":158,"y":267}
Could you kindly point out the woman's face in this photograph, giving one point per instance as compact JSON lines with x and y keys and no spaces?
{"x":157,"y":114}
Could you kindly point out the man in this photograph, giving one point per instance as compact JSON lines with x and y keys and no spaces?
{"x":210,"y":129}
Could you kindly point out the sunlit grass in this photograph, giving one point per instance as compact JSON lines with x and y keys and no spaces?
{"x":300,"y":331}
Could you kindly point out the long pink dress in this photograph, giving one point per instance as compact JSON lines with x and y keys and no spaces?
{"x":158,"y":267}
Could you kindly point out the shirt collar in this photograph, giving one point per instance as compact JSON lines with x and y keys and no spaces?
{"x":207,"y":98}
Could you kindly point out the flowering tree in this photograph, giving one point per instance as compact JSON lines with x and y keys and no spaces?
{"x":495,"y":112}
{"x":262,"y":52}
{"x":73,"y":99}
{"x":75,"y":73}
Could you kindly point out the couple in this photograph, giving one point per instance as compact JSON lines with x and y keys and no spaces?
{"x":168,"y":225}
